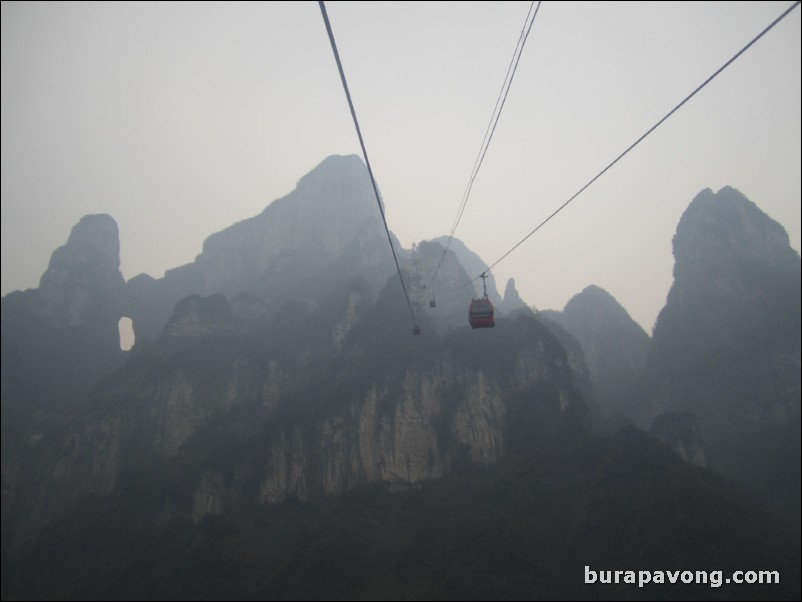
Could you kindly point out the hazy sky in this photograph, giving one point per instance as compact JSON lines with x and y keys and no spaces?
{"x":179,"y":119}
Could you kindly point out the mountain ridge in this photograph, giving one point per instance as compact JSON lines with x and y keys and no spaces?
{"x":307,"y":386}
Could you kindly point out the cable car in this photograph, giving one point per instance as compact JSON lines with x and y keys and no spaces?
{"x":480,"y":312}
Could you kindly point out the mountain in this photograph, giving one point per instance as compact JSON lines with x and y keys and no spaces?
{"x":680,"y":432}
{"x":310,"y":368}
{"x":66,"y":328}
{"x":331,"y":212}
{"x":474,"y":266}
{"x":451,"y":297}
{"x":614,"y":345}
{"x":58,"y":341}
{"x":308,"y":404}
{"x":726,"y":347}
{"x":277,"y":432}
{"x":523,"y":529}
{"x":512,"y":300}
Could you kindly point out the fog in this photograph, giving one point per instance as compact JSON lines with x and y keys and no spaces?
{"x":179,"y":119}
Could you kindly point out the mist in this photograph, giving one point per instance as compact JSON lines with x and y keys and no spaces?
{"x":181,"y":119}
{"x":226,"y":376}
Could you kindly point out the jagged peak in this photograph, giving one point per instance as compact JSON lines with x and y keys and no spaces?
{"x":726,"y":222}
{"x":334,"y":164}
{"x":91,"y":223}
{"x":597,"y":298}
{"x":94,"y":240}
{"x":83,"y":283}
{"x":736,"y":283}
{"x":335,"y":169}
{"x":512,"y":300}
{"x":474,"y":265}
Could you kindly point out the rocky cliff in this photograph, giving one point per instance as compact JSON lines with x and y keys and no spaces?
{"x":332,"y":211}
{"x":614,"y":345}
{"x":58,"y":341}
{"x":295,"y":376}
{"x":680,"y":432}
{"x":260,"y":324}
{"x":474,"y":265}
{"x":307,"y":403}
{"x":726,"y":347}
{"x":512,"y":300}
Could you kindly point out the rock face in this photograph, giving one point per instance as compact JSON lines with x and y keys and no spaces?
{"x":280,"y":370}
{"x":735,"y":279}
{"x":58,"y":341}
{"x":726,"y":347}
{"x":197,"y":316}
{"x":680,"y":432}
{"x":308,"y":405}
{"x":451,"y":298}
{"x":293,"y":240}
{"x":83,"y":283}
{"x":474,"y":266}
{"x":512,"y":300}
{"x":280,"y":365}
{"x":614,"y":345}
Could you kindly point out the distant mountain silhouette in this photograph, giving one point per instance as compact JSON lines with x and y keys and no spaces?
{"x":614,"y":345}
{"x":512,"y":300}
{"x":474,"y":266}
{"x":293,"y":241}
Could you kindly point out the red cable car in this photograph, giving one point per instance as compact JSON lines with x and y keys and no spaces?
{"x":480,"y":312}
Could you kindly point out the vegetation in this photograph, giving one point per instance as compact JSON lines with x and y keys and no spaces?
{"x":524,"y":529}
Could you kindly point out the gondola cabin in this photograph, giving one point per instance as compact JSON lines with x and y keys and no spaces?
{"x":480,"y":314}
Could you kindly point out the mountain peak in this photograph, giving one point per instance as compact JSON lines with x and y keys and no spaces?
{"x":83,"y":278}
{"x":512,"y":300}
{"x":593,"y":295}
{"x":724,"y":229}
{"x":733,"y":267}
{"x":335,"y":164}
{"x":94,"y":239}
{"x":614,"y":345}
{"x":595,"y":308}
{"x":726,"y":344}
{"x":338,"y":178}
{"x":474,"y":265}
{"x":290,"y":243}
